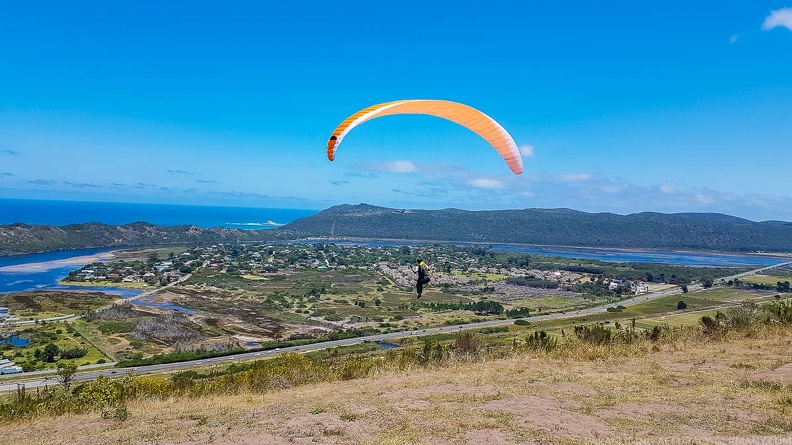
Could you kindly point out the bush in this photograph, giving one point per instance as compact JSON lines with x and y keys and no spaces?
{"x":711,"y":326}
{"x":594,"y":334}
{"x":468,"y":343}
{"x":522,"y":322}
{"x":73,"y":353}
{"x":746,"y":315}
{"x":540,"y":341}
{"x":781,"y":311}
{"x":681,"y":305}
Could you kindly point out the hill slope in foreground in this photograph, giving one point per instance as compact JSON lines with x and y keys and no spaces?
{"x":719,"y":391}
{"x":560,"y":227}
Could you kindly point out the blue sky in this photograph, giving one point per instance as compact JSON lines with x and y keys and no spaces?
{"x":620,"y":106}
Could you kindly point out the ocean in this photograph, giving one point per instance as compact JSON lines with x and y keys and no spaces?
{"x":58,"y":213}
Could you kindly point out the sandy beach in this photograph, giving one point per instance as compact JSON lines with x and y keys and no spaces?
{"x":56,"y":264}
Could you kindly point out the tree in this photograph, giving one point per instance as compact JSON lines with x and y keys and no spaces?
{"x":681,"y":305}
{"x":684,"y":288}
{"x":153,"y":259}
{"x":49,"y":353}
{"x":66,"y":373}
{"x":707,"y":282}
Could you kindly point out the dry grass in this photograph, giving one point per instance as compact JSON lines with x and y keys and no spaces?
{"x":694,"y":390}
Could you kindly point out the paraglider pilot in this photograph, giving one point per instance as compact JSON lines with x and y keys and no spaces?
{"x":423,"y":276}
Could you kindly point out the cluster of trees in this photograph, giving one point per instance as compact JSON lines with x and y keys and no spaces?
{"x":517,"y":313}
{"x":51,"y":353}
{"x":601,"y":287}
{"x":780,"y":286}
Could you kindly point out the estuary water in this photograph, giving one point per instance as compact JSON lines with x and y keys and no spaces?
{"x":678,"y":258}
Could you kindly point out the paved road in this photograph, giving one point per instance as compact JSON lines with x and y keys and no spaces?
{"x":24,"y":322}
{"x":39,"y":379}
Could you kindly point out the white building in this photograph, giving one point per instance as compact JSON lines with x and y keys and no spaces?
{"x":4,"y":312}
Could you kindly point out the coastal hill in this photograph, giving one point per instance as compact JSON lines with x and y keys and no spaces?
{"x":708,"y":231}
{"x":698,"y":231}
{"x":25,"y":238}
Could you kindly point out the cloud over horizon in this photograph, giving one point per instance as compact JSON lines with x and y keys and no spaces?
{"x":391,"y":166}
{"x":779,"y":18}
{"x":41,"y":182}
{"x":81,"y":184}
{"x":486,"y":183}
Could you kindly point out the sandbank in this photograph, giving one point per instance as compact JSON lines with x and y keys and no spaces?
{"x":57,"y":264}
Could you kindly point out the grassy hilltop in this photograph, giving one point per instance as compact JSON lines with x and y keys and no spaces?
{"x":725,"y":379}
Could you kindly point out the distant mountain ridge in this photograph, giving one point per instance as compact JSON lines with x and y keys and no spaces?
{"x":560,"y":227}
{"x":698,"y":231}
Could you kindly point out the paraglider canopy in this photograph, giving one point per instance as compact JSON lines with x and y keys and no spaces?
{"x":464,"y":115}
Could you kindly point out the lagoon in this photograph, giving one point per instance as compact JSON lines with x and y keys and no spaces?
{"x":677,"y":258}
{"x":17,"y":342}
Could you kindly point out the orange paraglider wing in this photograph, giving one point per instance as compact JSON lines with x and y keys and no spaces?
{"x":468,"y":117}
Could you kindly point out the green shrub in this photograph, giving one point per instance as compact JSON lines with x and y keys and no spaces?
{"x":540,"y":341}
{"x":596,"y":334}
{"x":781,"y":311}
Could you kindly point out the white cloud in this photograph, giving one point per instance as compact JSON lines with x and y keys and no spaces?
{"x":486,"y":183}
{"x":402,"y":167}
{"x":573,"y":177}
{"x":527,"y":151}
{"x":392,"y":167}
{"x":733,"y":38}
{"x":778,"y":18}
{"x":667,"y":188}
